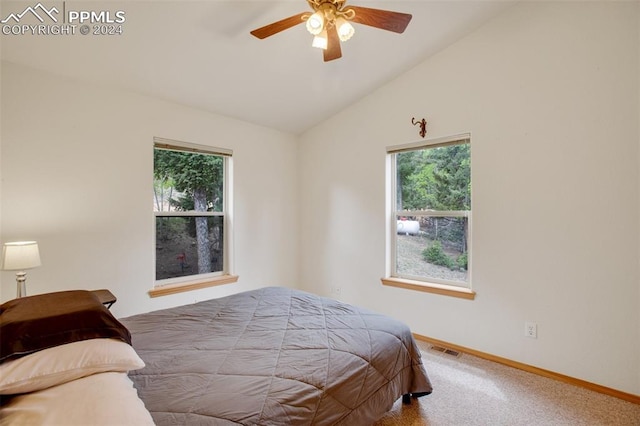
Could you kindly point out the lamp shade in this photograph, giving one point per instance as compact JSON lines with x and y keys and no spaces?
{"x":320,"y":41}
{"x":315,"y":23}
{"x":20,"y":255}
{"x":345,"y":29}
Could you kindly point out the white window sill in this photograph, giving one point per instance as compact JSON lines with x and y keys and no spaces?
{"x":442,"y":289}
{"x":167,"y":289}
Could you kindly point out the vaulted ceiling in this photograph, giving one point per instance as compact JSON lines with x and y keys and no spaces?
{"x":200,"y":53}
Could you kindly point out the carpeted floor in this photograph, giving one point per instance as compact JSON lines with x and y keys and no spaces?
{"x":472,"y":391}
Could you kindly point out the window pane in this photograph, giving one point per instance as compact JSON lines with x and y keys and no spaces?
{"x":434,"y":178}
{"x":188,"y":246}
{"x":432,"y":248}
{"x":186,"y":181}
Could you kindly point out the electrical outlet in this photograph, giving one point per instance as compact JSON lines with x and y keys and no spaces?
{"x":338,"y":291}
{"x":531,"y":330}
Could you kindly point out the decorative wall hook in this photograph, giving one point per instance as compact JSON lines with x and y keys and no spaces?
{"x":423,"y":125}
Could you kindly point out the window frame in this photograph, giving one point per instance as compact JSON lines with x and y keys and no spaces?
{"x":196,"y":281}
{"x":407,"y":281}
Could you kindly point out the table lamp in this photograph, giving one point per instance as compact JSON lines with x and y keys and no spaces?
{"x":19,"y":256}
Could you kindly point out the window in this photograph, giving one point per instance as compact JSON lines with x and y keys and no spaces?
{"x":192,"y":205}
{"x":429,"y":200}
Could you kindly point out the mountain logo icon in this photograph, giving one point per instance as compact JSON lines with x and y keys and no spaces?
{"x":39,"y":11}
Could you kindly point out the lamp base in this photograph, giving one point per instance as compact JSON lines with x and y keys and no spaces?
{"x":21,"y":280}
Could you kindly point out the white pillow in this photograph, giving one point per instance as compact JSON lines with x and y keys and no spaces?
{"x":61,"y":364}
{"x":100,"y":399}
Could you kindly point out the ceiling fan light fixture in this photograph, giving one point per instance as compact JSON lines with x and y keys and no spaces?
{"x":330,"y":22}
{"x":315,"y":23}
{"x":321,"y":40}
{"x":345,"y":29}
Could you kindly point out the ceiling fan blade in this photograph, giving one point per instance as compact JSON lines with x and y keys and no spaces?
{"x":276,"y":27}
{"x":384,"y":19}
{"x":333,"y":50}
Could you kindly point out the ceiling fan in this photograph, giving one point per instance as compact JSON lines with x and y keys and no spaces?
{"x":330,"y":23}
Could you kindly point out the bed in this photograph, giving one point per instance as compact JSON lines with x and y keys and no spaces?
{"x":272,"y":356}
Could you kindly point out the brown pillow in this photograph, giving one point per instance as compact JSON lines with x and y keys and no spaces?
{"x":33,"y":323}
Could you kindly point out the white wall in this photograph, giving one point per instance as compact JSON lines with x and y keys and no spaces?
{"x":550,"y":94}
{"x":77,"y":164}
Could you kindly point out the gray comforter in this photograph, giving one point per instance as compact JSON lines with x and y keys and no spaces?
{"x":273,"y":356}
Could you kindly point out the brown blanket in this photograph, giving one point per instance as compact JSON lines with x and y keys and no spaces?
{"x":273,"y":356}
